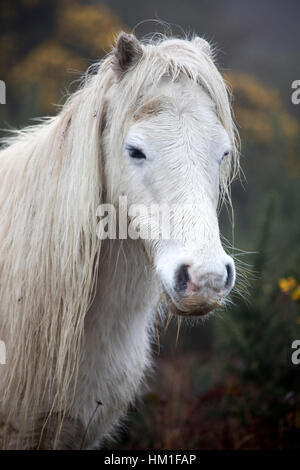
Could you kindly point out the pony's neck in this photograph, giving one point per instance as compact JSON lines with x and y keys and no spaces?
{"x":118,"y":326}
{"x":126,"y":290}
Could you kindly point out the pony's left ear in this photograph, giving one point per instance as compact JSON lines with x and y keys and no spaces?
{"x":203,"y":45}
{"x":127,"y":52}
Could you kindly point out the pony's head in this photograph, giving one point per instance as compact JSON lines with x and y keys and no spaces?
{"x":169,"y":140}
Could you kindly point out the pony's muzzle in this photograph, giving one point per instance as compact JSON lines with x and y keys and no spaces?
{"x":191,"y":279}
{"x":198,"y":289}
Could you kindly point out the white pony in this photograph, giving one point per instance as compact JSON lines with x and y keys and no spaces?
{"x":151,"y":122}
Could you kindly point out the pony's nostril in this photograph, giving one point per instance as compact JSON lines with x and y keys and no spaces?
{"x":182,"y":278}
{"x":229,"y":277}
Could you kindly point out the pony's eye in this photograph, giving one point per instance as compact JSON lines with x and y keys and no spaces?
{"x":225,"y":154}
{"x":136,"y":153}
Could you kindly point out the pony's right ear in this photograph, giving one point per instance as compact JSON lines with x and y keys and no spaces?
{"x":127,"y":52}
{"x":203,"y":45}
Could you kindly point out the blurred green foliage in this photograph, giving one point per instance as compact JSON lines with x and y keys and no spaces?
{"x":45,"y":45}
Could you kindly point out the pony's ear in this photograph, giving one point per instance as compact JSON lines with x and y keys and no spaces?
{"x":203,"y":45}
{"x":127,"y":52}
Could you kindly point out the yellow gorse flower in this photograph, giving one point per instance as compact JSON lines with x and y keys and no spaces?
{"x":295,"y":295}
{"x":287,"y":284}
{"x":291,"y":287}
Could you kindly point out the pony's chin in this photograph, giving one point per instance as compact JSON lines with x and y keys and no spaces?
{"x":198,"y":311}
